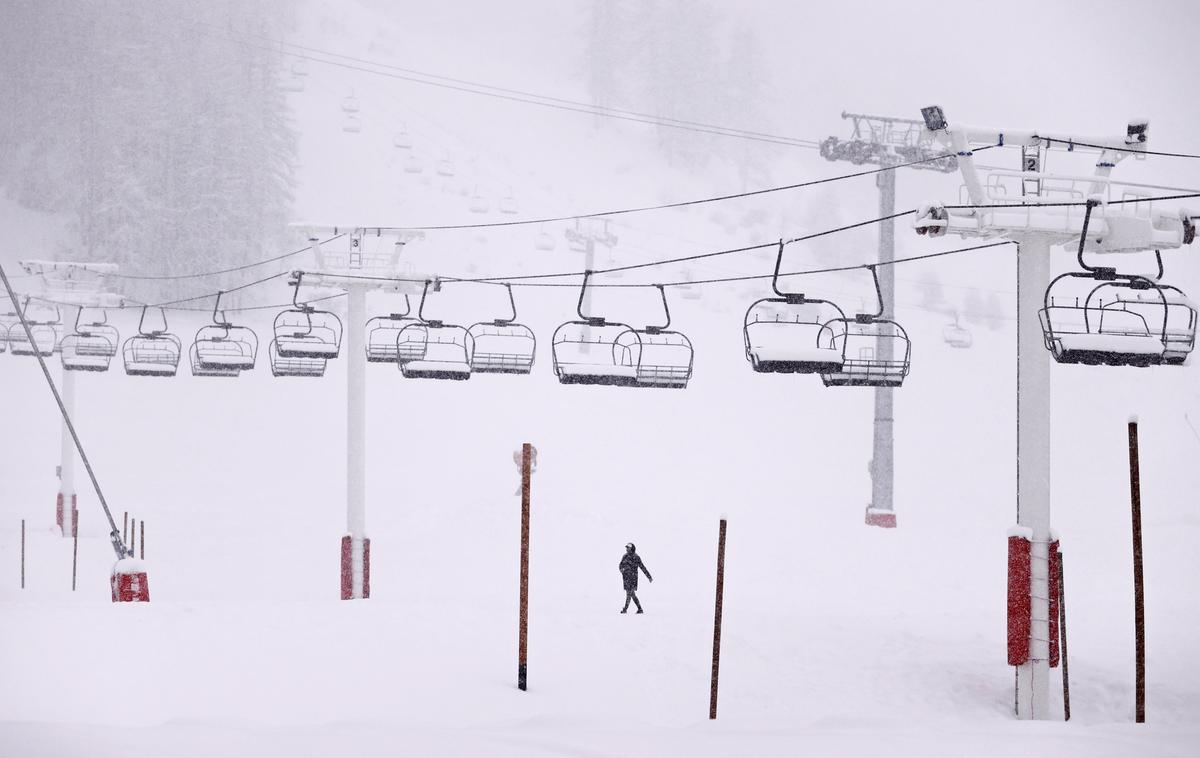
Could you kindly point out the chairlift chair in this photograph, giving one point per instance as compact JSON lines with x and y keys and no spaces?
{"x":45,"y":333}
{"x":305,"y":332}
{"x":152,"y":352}
{"x":865,"y":365}
{"x":222,"y":349}
{"x":1143,"y":323}
{"x":955,"y":335}
{"x":413,"y":164}
{"x":544,"y":240}
{"x":445,"y":167}
{"x":350,"y":103}
{"x":293,"y":83}
{"x":383,"y":334}
{"x":508,"y":203}
{"x":401,"y":140}
{"x":91,"y":346}
{"x":479,"y":203}
{"x":294,"y":365}
{"x":790,"y":334}
{"x":433,"y":349}
{"x":593,"y":350}
{"x":502,"y":346}
{"x":352,"y":124}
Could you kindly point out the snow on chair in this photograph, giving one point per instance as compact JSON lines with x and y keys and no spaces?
{"x":592,"y":350}
{"x":305,"y":332}
{"x":502,"y":346}
{"x":957,"y":336}
{"x":433,"y":349}
{"x":152,"y":353}
{"x":1144,"y":323}
{"x":222,"y":349}
{"x":91,"y":346}
{"x":294,"y":365}
{"x":383,"y":334}
{"x":877,"y":351}
{"x":663,"y":357}
{"x":791,"y":333}
{"x":45,"y":332}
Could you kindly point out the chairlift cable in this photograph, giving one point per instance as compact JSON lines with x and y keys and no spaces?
{"x":243,"y":267}
{"x":600,"y":110}
{"x":1136,"y":151}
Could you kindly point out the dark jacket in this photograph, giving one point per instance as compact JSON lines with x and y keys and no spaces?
{"x":629,"y":565}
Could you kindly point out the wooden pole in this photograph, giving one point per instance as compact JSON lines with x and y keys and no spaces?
{"x":22,"y":553}
{"x":1062,"y":632}
{"x":523,"y":635}
{"x":142,"y":541}
{"x":132,"y":538}
{"x":75,"y":554}
{"x":1139,"y":610}
{"x":125,"y":529}
{"x":716,"y":656}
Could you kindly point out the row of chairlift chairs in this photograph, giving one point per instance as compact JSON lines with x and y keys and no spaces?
{"x":588,"y":350}
{"x":1119,"y":320}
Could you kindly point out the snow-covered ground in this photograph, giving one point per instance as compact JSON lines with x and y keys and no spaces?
{"x":839,"y":639}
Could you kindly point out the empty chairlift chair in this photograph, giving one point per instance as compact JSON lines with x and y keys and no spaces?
{"x":791,"y":333}
{"x":502,"y":346}
{"x":877,"y":350}
{"x":45,"y":331}
{"x":957,"y":336}
{"x":294,"y":366}
{"x":593,"y":350}
{"x":91,"y":346}
{"x":383,"y":334}
{"x":305,"y":332}
{"x":222,"y":349}
{"x":433,"y":349}
{"x":152,"y":352}
{"x":664,"y":357}
{"x":1123,"y":320}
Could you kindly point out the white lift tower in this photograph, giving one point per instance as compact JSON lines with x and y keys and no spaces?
{"x":371,"y":260}
{"x":89,"y":348}
{"x":1036,"y":210}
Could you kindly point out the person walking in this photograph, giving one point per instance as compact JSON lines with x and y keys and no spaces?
{"x":629,"y":565}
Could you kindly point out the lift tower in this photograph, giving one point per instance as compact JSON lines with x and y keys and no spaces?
{"x":76,"y":286}
{"x":1037,"y":209}
{"x":886,"y":142}
{"x":370,"y":261}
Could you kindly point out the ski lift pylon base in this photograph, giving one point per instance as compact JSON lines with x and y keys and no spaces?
{"x":881,"y":518}
{"x":129,"y":582}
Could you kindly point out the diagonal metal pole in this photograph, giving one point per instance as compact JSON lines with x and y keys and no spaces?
{"x":114,"y":535}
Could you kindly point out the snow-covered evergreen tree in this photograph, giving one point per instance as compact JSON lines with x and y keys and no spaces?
{"x":158,"y":125}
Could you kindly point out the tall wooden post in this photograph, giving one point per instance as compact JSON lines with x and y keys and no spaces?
{"x":1062,"y":632}
{"x":1139,"y":610}
{"x":142,"y":542}
{"x":523,"y":634}
{"x":22,"y":553}
{"x":716,"y":656}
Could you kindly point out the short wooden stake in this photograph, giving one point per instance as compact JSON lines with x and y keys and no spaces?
{"x":1062,"y":631}
{"x":716,"y":655}
{"x":1139,"y":609}
{"x":75,"y":554}
{"x":523,"y":634}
